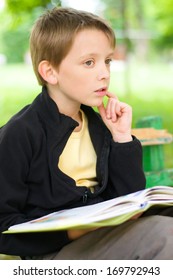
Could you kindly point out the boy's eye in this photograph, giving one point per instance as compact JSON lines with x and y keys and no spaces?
{"x":89,"y":62}
{"x":108,"y":61}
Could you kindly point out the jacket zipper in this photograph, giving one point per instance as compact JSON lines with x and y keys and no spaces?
{"x":85,"y":196}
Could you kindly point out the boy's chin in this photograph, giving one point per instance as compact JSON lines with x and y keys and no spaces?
{"x":99,"y":103}
{"x":96,"y":103}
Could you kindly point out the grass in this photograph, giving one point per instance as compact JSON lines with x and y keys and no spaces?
{"x":18,"y":88}
{"x":8,"y":257}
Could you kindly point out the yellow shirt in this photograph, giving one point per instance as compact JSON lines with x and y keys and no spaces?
{"x":78,"y":159}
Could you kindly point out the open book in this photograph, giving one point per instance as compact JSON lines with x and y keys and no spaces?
{"x":111,"y":212}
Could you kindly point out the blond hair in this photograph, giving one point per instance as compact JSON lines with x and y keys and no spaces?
{"x":53,"y":34}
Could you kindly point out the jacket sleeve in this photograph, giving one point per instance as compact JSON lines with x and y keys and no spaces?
{"x":15,"y":158}
{"x":125,"y":171}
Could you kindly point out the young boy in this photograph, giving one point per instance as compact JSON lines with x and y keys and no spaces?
{"x":58,"y":153}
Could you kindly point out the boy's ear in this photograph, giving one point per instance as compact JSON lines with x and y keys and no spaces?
{"x":47,"y":72}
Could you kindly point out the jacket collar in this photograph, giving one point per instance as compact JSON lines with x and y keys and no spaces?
{"x":50,"y":115}
{"x":48,"y":110}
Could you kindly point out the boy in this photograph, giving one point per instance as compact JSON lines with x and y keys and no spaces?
{"x":59,"y":153}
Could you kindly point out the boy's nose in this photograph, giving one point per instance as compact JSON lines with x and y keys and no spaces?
{"x":104,"y":73}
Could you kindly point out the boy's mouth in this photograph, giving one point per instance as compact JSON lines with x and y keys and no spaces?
{"x":101,"y":91}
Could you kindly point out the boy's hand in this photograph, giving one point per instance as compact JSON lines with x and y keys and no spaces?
{"x":117,"y":116}
{"x":76,"y":233}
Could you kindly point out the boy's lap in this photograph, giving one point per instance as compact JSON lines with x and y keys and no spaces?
{"x":146,"y":238}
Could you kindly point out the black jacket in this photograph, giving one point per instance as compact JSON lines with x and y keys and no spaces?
{"x":31,"y":185}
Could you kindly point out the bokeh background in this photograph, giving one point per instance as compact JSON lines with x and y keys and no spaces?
{"x":142,"y":72}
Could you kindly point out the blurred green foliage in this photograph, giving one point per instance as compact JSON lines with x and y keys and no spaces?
{"x":16,"y":44}
{"x":152,"y":17}
{"x":19,"y":17}
{"x":16,"y":6}
{"x":147,"y":16}
{"x":164,"y":17}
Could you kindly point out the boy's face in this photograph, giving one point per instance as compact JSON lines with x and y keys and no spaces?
{"x":84,"y":74}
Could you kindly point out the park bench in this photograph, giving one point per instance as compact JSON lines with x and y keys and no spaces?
{"x":153,"y":137}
